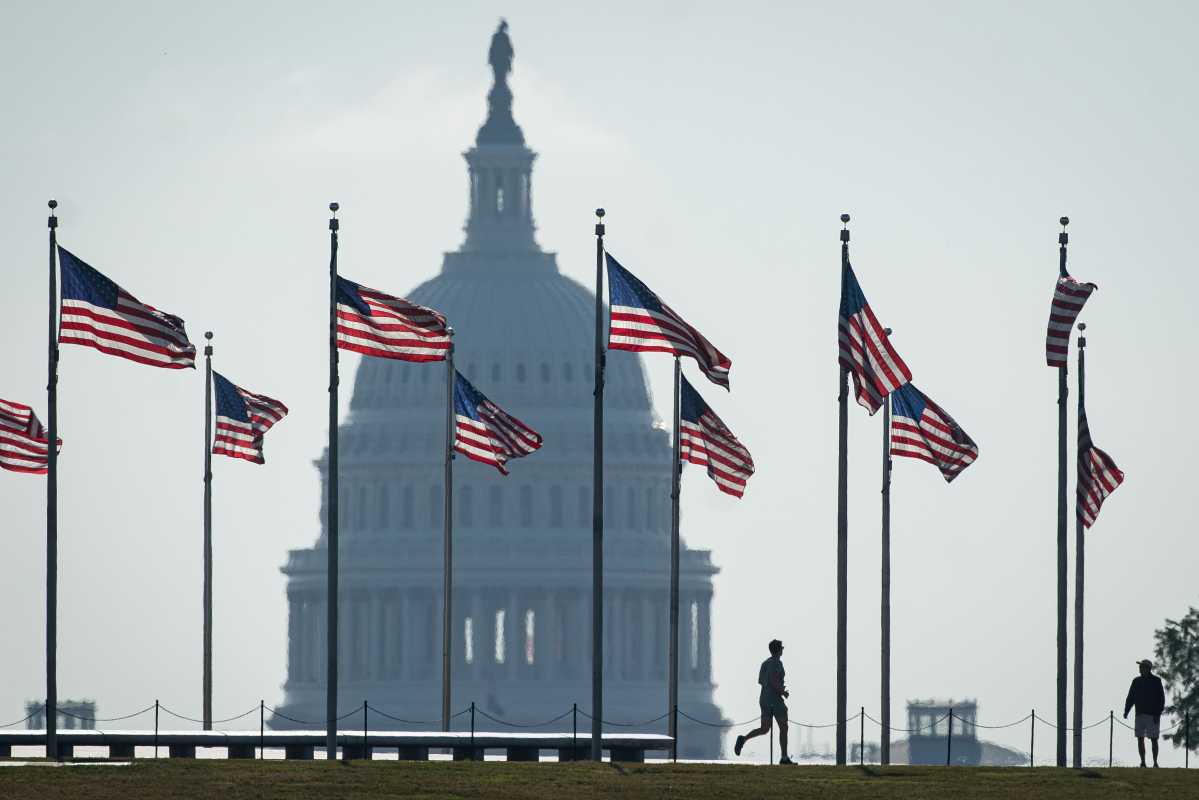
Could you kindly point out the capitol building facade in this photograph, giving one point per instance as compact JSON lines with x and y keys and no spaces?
{"x":522,"y":543}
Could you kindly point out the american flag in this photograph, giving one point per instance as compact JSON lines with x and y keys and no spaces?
{"x":98,"y":313}
{"x":377,"y":324}
{"x":1069,"y":296}
{"x":921,"y":429}
{"x":641,"y":322}
{"x":24,"y":443}
{"x":1098,"y":475}
{"x":865,"y":348}
{"x":705,"y":440}
{"x":486,"y":433}
{"x":242,"y":419}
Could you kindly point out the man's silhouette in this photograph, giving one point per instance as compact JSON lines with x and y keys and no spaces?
{"x":771,"y":700}
{"x":1149,"y":697}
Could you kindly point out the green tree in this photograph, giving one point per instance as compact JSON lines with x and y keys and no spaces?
{"x":1177,"y":654}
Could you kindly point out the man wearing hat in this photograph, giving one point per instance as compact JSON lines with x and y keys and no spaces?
{"x":1149,"y":697}
{"x":771,"y":700}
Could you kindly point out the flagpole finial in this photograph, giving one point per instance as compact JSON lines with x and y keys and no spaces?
{"x":1082,"y":340}
{"x":844,"y":219}
{"x":333,"y":223}
{"x":887,"y":331}
{"x":208,"y":347}
{"x":52,"y":222}
{"x":53,"y":204}
{"x":844,"y":228}
{"x":1065,"y":221}
{"x":599,"y":222}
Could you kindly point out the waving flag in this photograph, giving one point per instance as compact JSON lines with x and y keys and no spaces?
{"x":865,"y":348}
{"x":377,"y":324}
{"x":485,"y":432}
{"x":1098,"y":475}
{"x":98,"y":313}
{"x":242,"y":419}
{"x":24,"y":443}
{"x":641,"y":322}
{"x":921,"y":429}
{"x":1069,"y":296}
{"x":705,"y":440}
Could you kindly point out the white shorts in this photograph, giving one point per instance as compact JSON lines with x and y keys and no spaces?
{"x":1147,"y":726}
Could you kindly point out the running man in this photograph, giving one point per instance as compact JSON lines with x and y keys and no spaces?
{"x":1149,"y":698}
{"x":774,"y":690}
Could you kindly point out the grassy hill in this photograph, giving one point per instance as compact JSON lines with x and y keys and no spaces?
{"x":230,"y":780}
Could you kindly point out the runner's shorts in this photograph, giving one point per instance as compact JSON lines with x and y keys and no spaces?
{"x":773,"y":708}
{"x":1147,"y":726}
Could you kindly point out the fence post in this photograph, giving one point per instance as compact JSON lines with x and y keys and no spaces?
{"x":261,"y":729}
{"x":156,"y":728}
{"x":1111,"y":729}
{"x":472,"y":730}
{"x":674,"y":750}
{"x":862,"y":736}
{"x":949,"y":739}
{"x":1032,"y":736}
{"x":365,"y":743}
{"x":574,"y":728}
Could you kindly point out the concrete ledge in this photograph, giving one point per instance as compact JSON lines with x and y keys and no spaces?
{"x":181,"y":751}
{"x":627,"y":755}
{"x":355,"y":752}
{"x":298,"y":752}
{"x":412,"y":753}
{"x":580,"y":753}
{"x":468,"y":753}
{"x":523,"y":753}
{"x":120,"y":750}
{"x":241,"y":751}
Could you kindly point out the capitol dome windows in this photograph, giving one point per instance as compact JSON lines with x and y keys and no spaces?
{"x":556,"y":506}
{"x":466,"y":506}
{"x":526,"y":506}
{"x":407,"y":513}
{"x":495,"y":504}
{"x":435,"y":500}
{"x":568,"y":372}
{"x":382,"y":512}
{"x":520,"y":372}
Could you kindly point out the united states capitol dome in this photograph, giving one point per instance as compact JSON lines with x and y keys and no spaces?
{"x":522,"y":543}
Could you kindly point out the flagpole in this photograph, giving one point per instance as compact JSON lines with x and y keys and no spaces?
{"x":676,"y":475}
{"x":1062,"y":391}
{"x":331,"y":537}
{"x":52,"y":500}
{"x":597,"y":507}
{"x":447,"y":632}
{"x":207,"y":647}
{"x":842,"y":519}
{"x":885,"y":700}
{"x":1079,"y":558}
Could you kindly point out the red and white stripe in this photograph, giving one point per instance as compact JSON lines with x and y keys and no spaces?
{"x":1069,"y":296}
{"x":646,"y":331}
{"x":1098,"y":475}
{"x":132,"y":330}
{"x":238,"y":439}
{"x":709,"y":443}
{"x":494,"y":439}
{"x":24,"y":443}
{"x":396,"y":328}
{"x":934,"y":438}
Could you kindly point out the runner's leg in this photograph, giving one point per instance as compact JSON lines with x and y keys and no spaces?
{"x":780,"y":714}
{"x":1141,"y":748}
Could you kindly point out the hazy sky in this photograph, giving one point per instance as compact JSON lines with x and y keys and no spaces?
{"x":193,"y":150}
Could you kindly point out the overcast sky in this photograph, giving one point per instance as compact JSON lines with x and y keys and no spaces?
{"x":193,"y":149}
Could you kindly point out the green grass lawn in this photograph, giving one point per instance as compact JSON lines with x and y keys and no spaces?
{"x":228,"y":780}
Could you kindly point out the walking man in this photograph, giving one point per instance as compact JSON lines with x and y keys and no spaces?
{"x":774,"y":690}
{"x":1149,"y":697}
